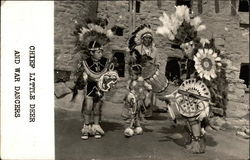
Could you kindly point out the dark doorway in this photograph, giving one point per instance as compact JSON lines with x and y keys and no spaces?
{"x":244,"y":73}
{"x":137,"y":6}
{"x":243,"y":6}
{"x":173,"y":70}
{"x":187,"y":3}
{"x":119,"y":62}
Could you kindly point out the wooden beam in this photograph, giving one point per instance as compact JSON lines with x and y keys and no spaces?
{"x":199,"y":6}
{"x":217,"y":6}
{"x":233,"y":8}
{"x":130,"y":17}
{"x":134,"y":13}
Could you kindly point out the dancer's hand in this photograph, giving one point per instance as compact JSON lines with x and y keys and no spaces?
{"x":169,"y":96}
{"x":85,"y":76}
{"x":70,"y":84}
{"x":201,"y":116}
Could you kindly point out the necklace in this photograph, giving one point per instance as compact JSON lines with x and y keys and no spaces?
{"x":146,"y":50}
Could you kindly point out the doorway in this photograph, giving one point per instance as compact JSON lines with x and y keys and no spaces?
{"x":244,"y":73}
{"x":243,"y":6}
{"x":173,"y":70}
{"x":119,"y":62}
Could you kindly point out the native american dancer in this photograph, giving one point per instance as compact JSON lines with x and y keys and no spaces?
{"x":135,"y":102}
{"x":94,"y":74}
{"x":193,"y":97}
{"x":142,"y":52}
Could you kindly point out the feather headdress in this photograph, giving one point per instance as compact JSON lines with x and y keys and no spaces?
{"x":136,"y":38}
{"x":92,"y":30}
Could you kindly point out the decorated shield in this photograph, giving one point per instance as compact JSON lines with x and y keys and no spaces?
{"x":108,"y":80}
{"x":192,"y":98}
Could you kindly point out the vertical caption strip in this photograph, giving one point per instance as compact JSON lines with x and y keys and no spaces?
{"x":27,"y":88}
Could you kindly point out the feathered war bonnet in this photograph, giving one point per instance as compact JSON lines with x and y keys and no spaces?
{"x":92,"y":34}
{"x":138,"y":34}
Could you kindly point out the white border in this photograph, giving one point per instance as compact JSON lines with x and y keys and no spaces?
{"x":26,"y":23}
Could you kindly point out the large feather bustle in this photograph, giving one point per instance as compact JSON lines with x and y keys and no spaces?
{"x":179,"y":27}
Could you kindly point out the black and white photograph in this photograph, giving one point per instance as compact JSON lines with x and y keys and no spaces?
{"x":125,"y":80}
{"x":165,"y":79}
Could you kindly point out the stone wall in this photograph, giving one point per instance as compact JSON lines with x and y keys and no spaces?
{"x":222,"y":26}
{"x":229,"y":37}
{"x":118,"y":14}
{"x":66,"y":14}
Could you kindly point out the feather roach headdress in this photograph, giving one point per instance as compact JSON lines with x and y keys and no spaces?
{"x":92,"y":32}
